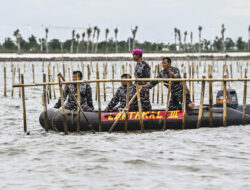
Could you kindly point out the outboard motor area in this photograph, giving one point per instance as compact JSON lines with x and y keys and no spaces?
{"x":231,"y":98}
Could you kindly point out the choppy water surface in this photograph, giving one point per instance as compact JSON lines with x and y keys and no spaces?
{"x":187,"y":159}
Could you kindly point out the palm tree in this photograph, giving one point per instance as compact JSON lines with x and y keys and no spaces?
{"x":175,"y":37}
{"x":200,"y":29}
{"x":97,"y":39}
{"x":46,"y":39}
{"x":72,"y":41}
{"x":93,"y":41}
{"x":134,"y":34}
{"x":18,"y":40}
{"x":77,"y":40}
{"x":185,"y":38}
{"x":179,"y":37}
{"x":83,"y":36}
{"x":222,"y":36}
{"x":116,"y":34}
{"x":89,"y":31}
{"x":191,"y":39}
{"x":106,"y":37}
{"x":249,"y":38}
{"x":41,"y":44}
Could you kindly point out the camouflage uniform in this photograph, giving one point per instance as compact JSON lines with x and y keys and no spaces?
{"x":176,"y":89}
{"x":86,"y":97}
{"x":120,"y":96}
{"x":143,"y":71}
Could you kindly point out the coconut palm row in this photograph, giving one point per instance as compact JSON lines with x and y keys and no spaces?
{"x":93,"y":34}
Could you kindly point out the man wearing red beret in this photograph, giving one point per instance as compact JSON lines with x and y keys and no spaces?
{"x":142,"y":70}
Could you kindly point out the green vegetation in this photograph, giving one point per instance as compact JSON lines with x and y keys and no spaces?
{"x":78,"y":44}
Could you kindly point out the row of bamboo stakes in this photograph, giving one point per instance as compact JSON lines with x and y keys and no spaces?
{"x":210,"y":80}
{"x":192,"y":69}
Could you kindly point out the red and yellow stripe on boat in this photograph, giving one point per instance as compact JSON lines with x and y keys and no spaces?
{"x":147,"y":115}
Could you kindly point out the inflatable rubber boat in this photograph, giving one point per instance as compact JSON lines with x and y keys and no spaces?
{"x":152,"y":120}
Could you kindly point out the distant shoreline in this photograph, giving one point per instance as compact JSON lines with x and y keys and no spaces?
{"x":122,"y":56}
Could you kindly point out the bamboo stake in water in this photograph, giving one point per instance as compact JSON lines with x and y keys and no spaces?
{"x":127,"y":105}
{"x":45,"y":103}
{"x":24,"y":107}
{"x":153,"y":97}
{"x":192,"y":82}
{"x":79,"y":101}
{"x":244,"y":100}
{"x":33,"y":73}
{"x":167,"y":105}
{"x":184,"y":96}
{"x":13,"y":80}
{"x":158,"y":88}
{"x":104,"y":77}
{"x":139,"y":105}
{"x":88,"y":68}
{"x":99,"y":100}
{"x":210,"y":101}
{"x":5,"y":88}
{"x":63,"y":108}
{"x":201,"y":103}
{"x":113,"y":76}
{"x":53,"y":79}
{"x":19,"y":80}
{"x":49,"y":78}
{"x":224,"y":103}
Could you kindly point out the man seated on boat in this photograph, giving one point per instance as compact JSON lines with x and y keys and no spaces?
{"x":86,"y":101}
{"x":176,"y":87}
{"x":120,"y":96}
{"x":142,"y":70}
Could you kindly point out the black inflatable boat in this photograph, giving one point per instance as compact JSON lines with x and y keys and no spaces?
{"x":153,"y":120}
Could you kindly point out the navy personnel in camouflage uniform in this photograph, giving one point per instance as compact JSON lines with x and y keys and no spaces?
{"x":176,"y":87}
{"x":86,"y":95}
{"x":120,"y":96}
{"x":142,"y":70}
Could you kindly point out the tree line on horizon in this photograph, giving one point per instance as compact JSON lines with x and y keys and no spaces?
{"x":78,"y":43}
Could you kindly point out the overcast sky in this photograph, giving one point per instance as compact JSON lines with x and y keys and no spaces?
{"x":156,"y":19}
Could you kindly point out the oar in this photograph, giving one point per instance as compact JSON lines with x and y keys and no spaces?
{"x":125,"y":109}
{"x":83,"y":113}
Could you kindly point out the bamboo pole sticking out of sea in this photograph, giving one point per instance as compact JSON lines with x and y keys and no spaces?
{"x":62,"y":104}
{"x":184,"y":100}
{"x":113,"y":76}
{"x":167,"y":106}
{"x":53,"y":79}
{"x":79,"y":101}
{"x":33,"y":73}
{"x":201,"y":103}
{"x":244,"y":100}
{"x":13,"y":80}
{"x":127,"y":105}
{"x":44,"y":101}
{"x":192,"y":82}
{"x":49,"y":79}
{"x":63,"y":68}
{"x":224,"y":103}
{"x":104,"y":84}
{"x":98,"y":99}
{"x":43,"y":67}
{"x":88,"y":69}
{"x":153,"y":96}
{"x":139,"y":105}
{"x":19,"y":80}
{"x":210,"y":101}
{"x":4,"y":76}
{"x":158,"y":87}
{"x":24,"y":106}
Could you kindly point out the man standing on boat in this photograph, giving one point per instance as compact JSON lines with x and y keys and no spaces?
{"x":176,"y":87}
{"x":120,"y":96}
{"x":142,"y":70}
{"x":85,"y":93}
